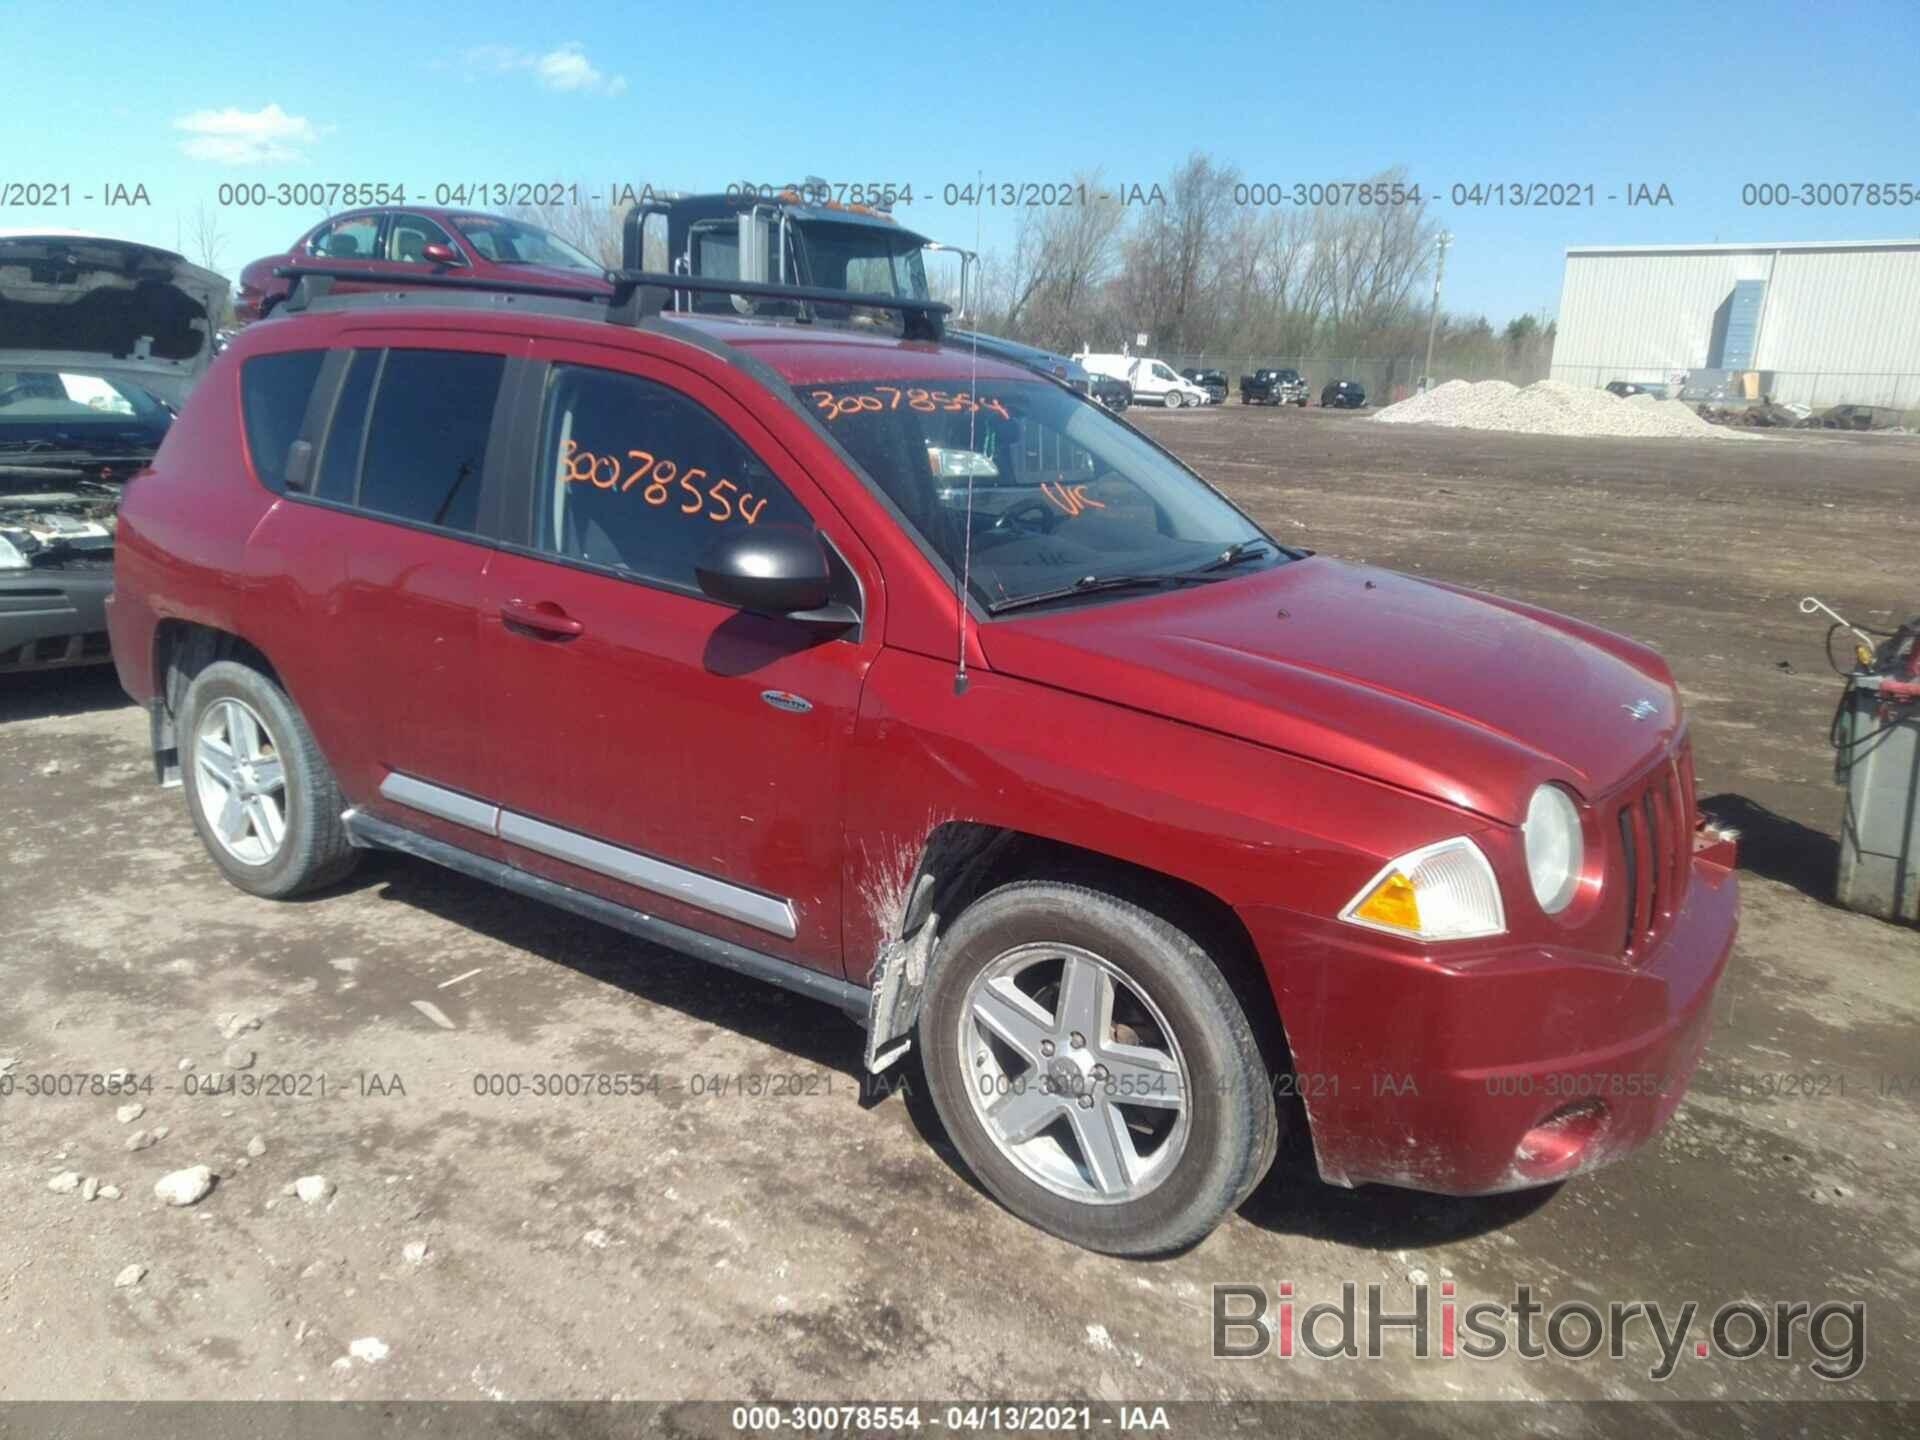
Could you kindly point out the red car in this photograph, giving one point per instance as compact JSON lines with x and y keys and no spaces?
{"x":920,"y":685}
{"x":399,"y":241}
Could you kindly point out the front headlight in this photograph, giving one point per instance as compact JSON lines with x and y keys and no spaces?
{"x":1555,"y":849}
{"x":1444,"y":891}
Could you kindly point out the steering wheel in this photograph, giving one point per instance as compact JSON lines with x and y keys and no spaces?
{"x":1005,"y":522}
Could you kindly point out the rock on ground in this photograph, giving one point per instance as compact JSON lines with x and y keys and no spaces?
{"x":313,"y":1188}
{"x":184,"y":1187}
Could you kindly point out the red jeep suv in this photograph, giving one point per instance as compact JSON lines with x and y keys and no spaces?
{"x":914,"y":682}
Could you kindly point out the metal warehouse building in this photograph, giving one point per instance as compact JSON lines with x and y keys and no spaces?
{"x":1823,"y":322}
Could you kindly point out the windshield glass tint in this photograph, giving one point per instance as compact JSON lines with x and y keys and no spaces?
{"x":508,"y":242}
{"x":1061,"y":490}
{"x":76,"y":408}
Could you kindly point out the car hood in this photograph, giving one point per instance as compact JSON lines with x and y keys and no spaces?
{"x":1456,"y":695}
{"x":136,"y":310}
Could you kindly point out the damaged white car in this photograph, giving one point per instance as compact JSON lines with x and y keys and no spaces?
{"x":100,"y":341}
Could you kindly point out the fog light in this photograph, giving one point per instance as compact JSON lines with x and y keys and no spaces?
{"x":1555,"y":1147}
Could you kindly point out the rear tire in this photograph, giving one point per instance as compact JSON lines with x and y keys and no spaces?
{"x":258,"y":789}
{"x":1095,"y":1070}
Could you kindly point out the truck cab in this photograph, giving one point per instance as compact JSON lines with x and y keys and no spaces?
{"x":794,"y":236}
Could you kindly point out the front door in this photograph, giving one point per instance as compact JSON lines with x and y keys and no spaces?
{"x":652,"y":745}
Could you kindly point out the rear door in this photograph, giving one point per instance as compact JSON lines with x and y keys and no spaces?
{"x":655,"y":746}
{"x":406,"y":487}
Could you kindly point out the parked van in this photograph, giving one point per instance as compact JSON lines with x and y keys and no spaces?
{"x":1154,"y":382}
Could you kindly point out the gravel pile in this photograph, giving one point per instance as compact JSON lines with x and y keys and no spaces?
{"x":1549,"y":407}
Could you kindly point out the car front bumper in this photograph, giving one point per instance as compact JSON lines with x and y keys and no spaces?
{"x":1471,"y":1073}
{"x":51,"y":617}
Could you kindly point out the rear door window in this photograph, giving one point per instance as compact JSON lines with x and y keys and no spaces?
{"x":410,"y":433}
{"x":274,"y":390}
{"x":355,"y":238}
{"x":637,"y":478}
{"x":427,"y":436}
{"x":339,"y":470}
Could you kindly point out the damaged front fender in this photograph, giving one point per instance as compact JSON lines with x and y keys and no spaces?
{"x":907,"y":915}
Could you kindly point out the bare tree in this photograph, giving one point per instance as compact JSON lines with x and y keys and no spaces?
{"x":206,"y":241}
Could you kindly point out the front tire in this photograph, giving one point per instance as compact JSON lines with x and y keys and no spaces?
{"x":258,"y":789}
{"x":1175,"y":400}
{"x":1095,"y":1070}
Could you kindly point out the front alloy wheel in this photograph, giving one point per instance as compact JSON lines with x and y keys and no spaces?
{"x":1077,"y":1078}
{"x":1095,"y":1068}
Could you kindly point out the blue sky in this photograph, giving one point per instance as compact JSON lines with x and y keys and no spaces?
{"x":1700,"y":98}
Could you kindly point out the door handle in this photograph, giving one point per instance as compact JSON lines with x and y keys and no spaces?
{"x":543,"y":617}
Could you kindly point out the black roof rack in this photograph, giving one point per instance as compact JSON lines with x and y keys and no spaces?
{"x":637,"y":294}
{"x":315,"y":282}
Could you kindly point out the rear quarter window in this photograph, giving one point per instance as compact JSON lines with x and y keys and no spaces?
{"x":274,"y":390}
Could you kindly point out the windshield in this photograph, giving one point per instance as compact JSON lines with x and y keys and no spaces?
{"x":864,"y":259}
{"x":53,"y":410}
{"x":509,"y":242}
{"x":1061,"y":492}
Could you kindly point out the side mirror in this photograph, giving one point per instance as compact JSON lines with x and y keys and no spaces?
{"x":440,"y":254}
{"x":781,"y":570}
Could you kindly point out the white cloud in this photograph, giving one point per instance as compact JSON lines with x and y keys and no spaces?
{"x":245,"y":137}
{"x":564,"y":68}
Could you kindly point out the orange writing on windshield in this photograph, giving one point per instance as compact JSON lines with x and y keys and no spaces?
{"x":880,"y":398}
{"x":1071,"y":498}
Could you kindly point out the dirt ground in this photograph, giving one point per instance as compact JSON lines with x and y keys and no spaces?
{"x":678,"y":1243}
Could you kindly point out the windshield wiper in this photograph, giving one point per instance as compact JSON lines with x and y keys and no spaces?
{"x":1093,"y":584}
{"x":1234,"y":554}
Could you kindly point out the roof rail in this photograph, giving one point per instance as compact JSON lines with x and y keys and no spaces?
{"x":315,"y":282}
{"x":639,"y":294}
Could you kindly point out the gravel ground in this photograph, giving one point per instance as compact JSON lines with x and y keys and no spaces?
{"x":1550,"y":407}
{"x":408,"y":1231}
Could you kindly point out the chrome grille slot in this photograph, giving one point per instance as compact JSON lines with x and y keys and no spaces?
{"x":1654,"y":819}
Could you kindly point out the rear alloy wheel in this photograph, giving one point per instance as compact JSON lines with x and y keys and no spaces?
{"x":1095,"y":1069}
{"x":258,"y":790}
{"x":241,"y":780}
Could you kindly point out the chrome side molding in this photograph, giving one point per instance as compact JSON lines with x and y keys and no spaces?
{"x":706,"y":892}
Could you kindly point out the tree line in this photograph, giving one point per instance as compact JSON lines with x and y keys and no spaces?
{"x":1206,"y":272}
{"x":1203,"y":272}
